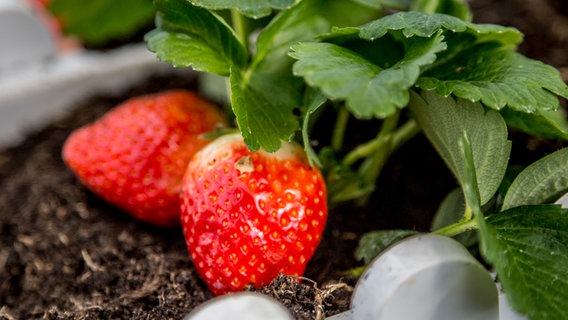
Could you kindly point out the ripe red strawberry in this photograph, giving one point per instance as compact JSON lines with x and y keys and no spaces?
{"x":135,"y":155}
{"x":248,"y":216}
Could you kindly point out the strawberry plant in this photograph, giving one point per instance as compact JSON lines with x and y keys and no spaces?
{"x":410,"y":67}
{"x":419,"y":67}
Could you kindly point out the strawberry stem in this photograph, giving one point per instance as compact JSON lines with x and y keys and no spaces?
{"x":240,"y":26}
{"x":339,"y":129}
{"x":374,"y":163}
{"x":404,"y":133}
{"x":468,"y":214}
{"x":399,"y":137}
{"x":457,"y":228}
{"x":377,"y":151}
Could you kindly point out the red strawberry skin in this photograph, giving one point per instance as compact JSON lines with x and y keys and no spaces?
{"x":136,"y":154}
{"x":248,"y":216}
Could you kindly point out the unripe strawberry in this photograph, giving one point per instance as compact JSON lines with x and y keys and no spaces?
{"x":135,"y":155}
{"x":249,"y":216}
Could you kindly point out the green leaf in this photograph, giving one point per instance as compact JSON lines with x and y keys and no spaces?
{"x":528,"y":247}
{"x":444,"y":121}
{"x":412,"y":24}
{"x":191,"y":36}
{"x":543,"y":181}
{"x":250,"y":8}
{"x":373,"y":243}
{"x":470,"y":186}
{"x":303,"y":22}
{"x":369,"y":89}
{"x":546,"y":124}
{"x":314,"y":100}
{"x":510,"y":174}
{"x":272,"y":65}
{"x":373,"y":66}
{"x":497,"y":77}
{"x":264,"y":106}
{"x":99,"y":22}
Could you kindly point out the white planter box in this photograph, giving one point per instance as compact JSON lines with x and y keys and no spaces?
{"x":35,"y":94}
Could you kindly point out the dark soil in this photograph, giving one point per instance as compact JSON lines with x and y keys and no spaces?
{"x":65,"y":254}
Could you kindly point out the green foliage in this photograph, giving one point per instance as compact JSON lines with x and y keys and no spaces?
{"x":312,"y":103}
{"x":547,"y":124}
{"x":191,"y":36}
{"x":528,"y":243}
{"x":249,"y":8}
{"x":368,"y":88}
{"x":541,"y":182}
{"x":420,"y":24}
{"x":98,"y":22}
{"x":263,"y":105}
{"x":265,"y":93}
{"x":528,"y":246}
{"x":378,"y":4}
{"x":369,"y":63}
{"x":435,"y":52}
{"x":497,"y":77}
{"x":444,"y":120}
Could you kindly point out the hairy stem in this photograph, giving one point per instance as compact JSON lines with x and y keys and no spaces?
{"x":339,"y":129}
{"x":468,"y":214}
{"x":398,"y":138}
{"x":404,"y":133}
{"x":457,"y":228}
{"x":374,"y":163}
{"x":240,"y":26}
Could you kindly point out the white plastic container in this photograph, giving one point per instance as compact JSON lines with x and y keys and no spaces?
{"x":426,"y":277}
{"x":240,"y":306}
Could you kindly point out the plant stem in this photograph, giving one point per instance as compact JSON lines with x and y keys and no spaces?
{"x":468,"y":214}
{"x":399,"y":138}
{"x":427,"y":6}
{"x":362,"y":151}
{"x":377,"y":151}
{"x":356,"y":272}
{"x":374,"y":163}
{"x":406,"y":132}
{"x":239,"y":24}
{"x":372,"y":166}
{"x":339,"y":129}
{"x":457,"y":228}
